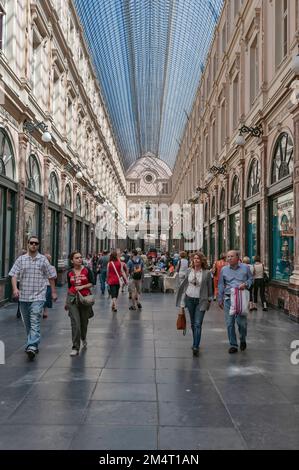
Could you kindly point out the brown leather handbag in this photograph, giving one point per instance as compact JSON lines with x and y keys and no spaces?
{"x":181,"y":323}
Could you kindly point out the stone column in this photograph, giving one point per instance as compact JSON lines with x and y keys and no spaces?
{"x":227,"y":204}
{"x":61,"y":236}
{"x":23,"y":141}
{"x":45,"y":231}
{"x":242,"y":206}
{"x":217,"y":254}
{"x":75,"y":190}
{"x":264,"y":206}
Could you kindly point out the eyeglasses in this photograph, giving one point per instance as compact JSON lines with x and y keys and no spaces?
{"x":34,"y":243}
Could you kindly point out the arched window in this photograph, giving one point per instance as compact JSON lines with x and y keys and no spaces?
{"x":206,"y":212}
{"x":78,"y":205}
{"x":33,"y":176}
{"x":53,"y":188}
{"x":254,"y":178}
{"x":7,"y":159}
{"x":68,"y":198}
{"x":213,"y":208}
{"x":222,"y":201}
{"x":283,"y":160}
{"x":235,"y":197}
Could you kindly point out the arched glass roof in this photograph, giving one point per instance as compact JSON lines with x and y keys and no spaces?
{"x":149,"y":56}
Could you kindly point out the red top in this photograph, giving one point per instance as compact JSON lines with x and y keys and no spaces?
{"x":112,"y":278}
{"x":85,"y":277}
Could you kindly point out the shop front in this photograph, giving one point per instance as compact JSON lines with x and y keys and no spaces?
{"x":8,"y":190}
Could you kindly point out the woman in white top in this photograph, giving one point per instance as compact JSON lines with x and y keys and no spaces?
{"x":197,"y":287}
{"x":259,"y":283}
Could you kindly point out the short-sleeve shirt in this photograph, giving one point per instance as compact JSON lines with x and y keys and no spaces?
{"x":73,"y":280}
{"x":33,"y":273}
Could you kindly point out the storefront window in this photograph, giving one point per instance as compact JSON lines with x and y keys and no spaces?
{"x":6,"y":230}
{"x":33,"y":177}
{"x":67,"y":236}
{"x":31,"y":220}
{"x":205,"y":241}
{"x":235,"y":225}
{"x":78,"y":235}
{"x":221,"y":236}
{"x":212,"y":243}
{"x":254,"y":179}
{"x":53,"y":224}
{"x":235,"y":196}
{"x":7,"y":161}
{"x":282,"y":237}
{"x":53,"y":188}
{"x":283,"y":163}
{"x":252,"y":232}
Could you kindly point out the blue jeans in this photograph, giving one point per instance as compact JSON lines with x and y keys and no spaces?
{"x":196,"y":318}
{"x":31,"y":313}
{"x":230,"y":324}
{"x":103,"y":281}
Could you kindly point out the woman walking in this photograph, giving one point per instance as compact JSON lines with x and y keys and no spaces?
{"x":80,"y":279}
{"x":216,"y":270}
{"x":197,"y":287}
{"x":259,"y":283}
{"x":114,"y":275}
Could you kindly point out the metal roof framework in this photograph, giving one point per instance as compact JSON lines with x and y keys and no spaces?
{"x":149,"y":56}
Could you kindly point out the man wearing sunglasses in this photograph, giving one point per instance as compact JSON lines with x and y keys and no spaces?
{"x":33,"y":271}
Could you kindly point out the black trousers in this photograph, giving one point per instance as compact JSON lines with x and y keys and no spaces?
{"x":259,"y":284}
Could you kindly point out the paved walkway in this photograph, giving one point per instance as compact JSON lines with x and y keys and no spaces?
{"x":138,"y":386}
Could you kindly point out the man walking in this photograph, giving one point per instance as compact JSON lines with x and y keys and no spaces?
{"x":234,"y":275}
{"x":33,"y":271}
{"x":135,"y":268}
{"x":103,"y":263}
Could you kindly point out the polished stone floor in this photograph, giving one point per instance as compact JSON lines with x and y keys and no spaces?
{"x":137,"y":386}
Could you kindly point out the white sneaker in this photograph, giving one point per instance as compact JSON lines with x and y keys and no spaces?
{"x":74,"y":352}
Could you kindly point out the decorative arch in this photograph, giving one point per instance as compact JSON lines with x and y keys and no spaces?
{"x":7,"y":158}
{"x":254,"y":178}
{"x":283,"y":158}
{"x":235,"y":194}
{"x":33,"y":174}
{"x":53,"y":188}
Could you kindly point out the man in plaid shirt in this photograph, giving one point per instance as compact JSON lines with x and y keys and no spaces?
{"x":33,"y":270}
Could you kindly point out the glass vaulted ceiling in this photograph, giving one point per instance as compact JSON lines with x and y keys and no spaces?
{"x":149,"y":56}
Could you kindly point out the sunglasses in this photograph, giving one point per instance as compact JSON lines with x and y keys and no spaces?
{"x":34,"y":243}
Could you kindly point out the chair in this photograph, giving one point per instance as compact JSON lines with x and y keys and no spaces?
{"x":170,"y":283}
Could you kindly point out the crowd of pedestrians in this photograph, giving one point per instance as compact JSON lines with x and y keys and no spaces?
{"x":228,"y":280}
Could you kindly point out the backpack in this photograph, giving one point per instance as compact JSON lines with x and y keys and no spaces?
{"x":137,"y":271}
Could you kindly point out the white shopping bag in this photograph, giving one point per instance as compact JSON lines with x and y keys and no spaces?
{"x":239,"y":301}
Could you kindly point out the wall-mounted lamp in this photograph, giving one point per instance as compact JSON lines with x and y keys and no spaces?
{"x":218,"y":170}
{"x":30,"y":127}
{"x":202,"y":190}
{"x":253,"y":131}
{"x":72,"y":166}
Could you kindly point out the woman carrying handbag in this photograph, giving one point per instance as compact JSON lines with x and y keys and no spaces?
{"x":79,"y":300}
{"x":115,"y":278}
{"x":197,"y":287}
